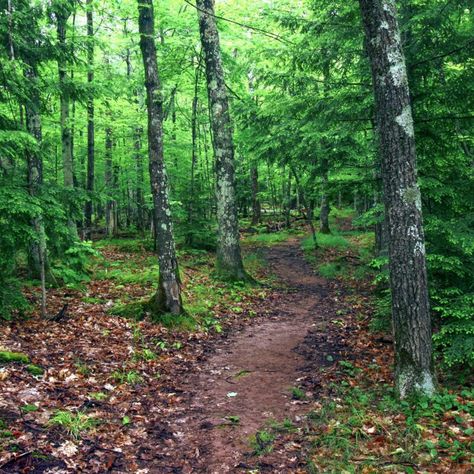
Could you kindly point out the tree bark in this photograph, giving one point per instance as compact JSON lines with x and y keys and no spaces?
{"x":194,"y":153}
{"x":111,"y":204}
{"x":35,"y":178}
{"x":408,"y":279}
{"x":229,"y":259}
{"x":168,"y":296}
{"x":256,"y":207}
{"x":325,"y":209}
{"x":90,"y":121}
{"x":139,"y":186}
{"x":63,"y":12}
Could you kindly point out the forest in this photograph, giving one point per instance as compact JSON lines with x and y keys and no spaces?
{"x":236,"y":236}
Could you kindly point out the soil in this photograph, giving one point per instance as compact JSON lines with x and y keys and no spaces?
{"x":247,"y":379}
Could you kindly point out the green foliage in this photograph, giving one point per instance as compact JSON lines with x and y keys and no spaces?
{"x":72,"y":268}
{"x":262,"y":442}
{"x":74,"y":423}
{"x":131,"y":377}
{"x":99,"y":396}
{"x":451,"y":268}
{"x":298,"y":394}
{"x":341,"y":429}
{"x":326,"y":241}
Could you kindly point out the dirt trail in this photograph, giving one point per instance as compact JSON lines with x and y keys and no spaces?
{"x":250,"y":375}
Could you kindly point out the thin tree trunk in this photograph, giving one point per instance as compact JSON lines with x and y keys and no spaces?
{"x":308,"y":205}
{"x":194,"y":153}
{"x":35,"y":179}
{"x":229,"y":259}
{"x":90,"y":120}
{"x":62,"y":14}
{"x":110,"y":220}
{"x":140,"y":180}
{"x":325,"y":209}
{"x":168,"y":296}
{"x":256,"y":207}
{"x":408,"y":279}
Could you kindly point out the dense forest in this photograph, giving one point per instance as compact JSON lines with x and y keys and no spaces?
{"x":177,"y":177}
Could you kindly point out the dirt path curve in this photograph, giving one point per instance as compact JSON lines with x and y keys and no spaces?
{"x":250,"y":374}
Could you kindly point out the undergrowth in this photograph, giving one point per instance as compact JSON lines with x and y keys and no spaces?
{"x":368,"y":429}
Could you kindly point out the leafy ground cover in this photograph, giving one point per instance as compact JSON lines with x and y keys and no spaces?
{"x":105,"y":385}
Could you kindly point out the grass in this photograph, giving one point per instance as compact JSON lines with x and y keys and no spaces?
{"x":326,"y":241}
{"x":272,"y":238}
{"x":297,"y":394}
{"x":262,"y":442}
{"x":74,"y":423}
{"x":131,"y":377}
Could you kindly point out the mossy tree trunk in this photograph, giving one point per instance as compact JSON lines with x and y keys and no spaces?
{"x":168,"y":296}
{"x":408,"y":278}
{"x":229,"y":259}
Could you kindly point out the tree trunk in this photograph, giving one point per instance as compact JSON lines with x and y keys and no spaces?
{"x":194,"y":153}
{"x":62,"y":14}
{"x":140,"y":180}
{"x":325,"y":209}
{"x":90,"y":121}
{"x":110,"y":206}
{"x":168,"y":296}
{"x":35,"y":179}
{"x":408,"y":279}
{"x":256,"y":207}
{"x":229,"y":259}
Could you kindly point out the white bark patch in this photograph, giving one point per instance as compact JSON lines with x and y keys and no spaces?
{"x":405,"y":120}
{"x":387,"y":6}
{"x":408,"y":382}
{"x":397,"y":67}
{"x":217,"y":109}
{"x":384,"y":25}
{"x":413,"y":232}
{"x":420,"y":250}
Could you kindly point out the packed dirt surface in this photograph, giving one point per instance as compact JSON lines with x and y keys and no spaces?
{"x":247,"y":381}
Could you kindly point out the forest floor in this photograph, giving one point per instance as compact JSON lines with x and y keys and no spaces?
{"x":285,"y":377}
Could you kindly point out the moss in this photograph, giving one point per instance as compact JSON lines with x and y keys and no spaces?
{"x":7,"y":356}
{"x":34,"y":369}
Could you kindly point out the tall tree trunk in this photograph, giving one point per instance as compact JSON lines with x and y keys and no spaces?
{"x":110,"y":206}
{"x":229,"y":259}
{"x":256,"y":207}
{"x":63,"y":12}
{"x":324,"y":211}
{"x":139,"y":185}
{"x":194,"y":153}
{"x":90,"y":120}
{"x":35,"y":179}
{"x":408,"y":279}
{"x":168,"y":296}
